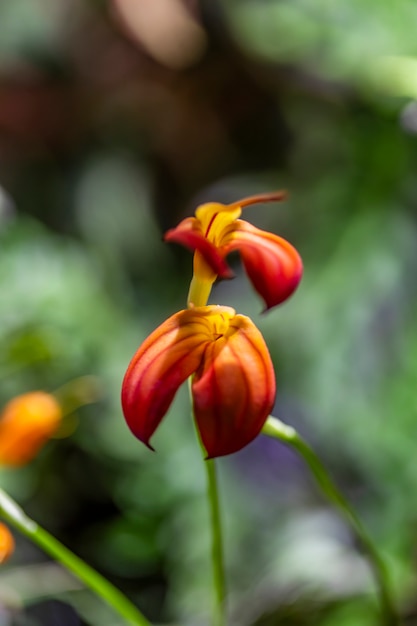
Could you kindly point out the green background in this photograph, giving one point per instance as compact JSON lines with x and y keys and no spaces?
{"x":103,"y":146}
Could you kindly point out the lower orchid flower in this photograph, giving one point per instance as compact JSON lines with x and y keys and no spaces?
{"x":232,"y":384}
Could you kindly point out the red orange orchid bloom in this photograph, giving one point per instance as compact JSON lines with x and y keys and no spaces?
{"x":272,"y":264}
{"x":233,"y":382}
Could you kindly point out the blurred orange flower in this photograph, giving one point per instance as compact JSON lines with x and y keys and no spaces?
{"x":26,"y":424}
{"x":232,"y":385}
{"x":6,"y":543}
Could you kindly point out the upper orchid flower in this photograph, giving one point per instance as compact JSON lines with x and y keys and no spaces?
{"x":272,"y":264}
{"x":233,"y":383}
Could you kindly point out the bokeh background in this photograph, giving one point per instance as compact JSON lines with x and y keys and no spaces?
{"x":117,"y":118}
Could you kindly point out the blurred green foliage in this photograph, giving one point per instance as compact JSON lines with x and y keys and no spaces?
{"x":101,"y":149}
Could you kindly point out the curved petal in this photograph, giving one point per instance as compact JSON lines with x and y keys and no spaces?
{"x":189,"y":234}
{"x":161,"y":364}
{"x":272,"y":263}
{"x":234,"y":389}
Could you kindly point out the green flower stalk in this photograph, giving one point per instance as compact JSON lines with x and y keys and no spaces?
{"x":278,"y":430}
{"x":14,"y":515}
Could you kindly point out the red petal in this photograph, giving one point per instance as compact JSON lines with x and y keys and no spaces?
{"x":188,"y":233}
{"x":162,"y":363}
{"x":272,"y":264}
{"x":234,"y":390}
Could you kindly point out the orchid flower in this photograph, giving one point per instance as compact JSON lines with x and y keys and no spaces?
{"x":272,"y":264}
{"x":232,"y":385}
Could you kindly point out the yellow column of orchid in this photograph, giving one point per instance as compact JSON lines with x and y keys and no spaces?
{"x":212,"y":223}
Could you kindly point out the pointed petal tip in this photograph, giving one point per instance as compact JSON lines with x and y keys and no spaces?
{"x":280,"y":298}
{"x":227,"y":273}
{"x":148,"y":445}
{"x":144,"y":440}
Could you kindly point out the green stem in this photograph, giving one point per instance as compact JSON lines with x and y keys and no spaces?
{"x":11,"y":512}
{"x":198,"y":295}
{"x":217,"y":558}
{"x":217,"y":545}
{"x":288,"y":435}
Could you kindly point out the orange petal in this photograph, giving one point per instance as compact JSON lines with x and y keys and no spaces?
{"x":26,"y":424}
{"x":234,"y":389}
{"x":189,"y":234}
{"x":162,"y":363}
{"x":272,"y":264}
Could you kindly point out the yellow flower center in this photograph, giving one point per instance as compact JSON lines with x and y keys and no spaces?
{"x":214,"y":218}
